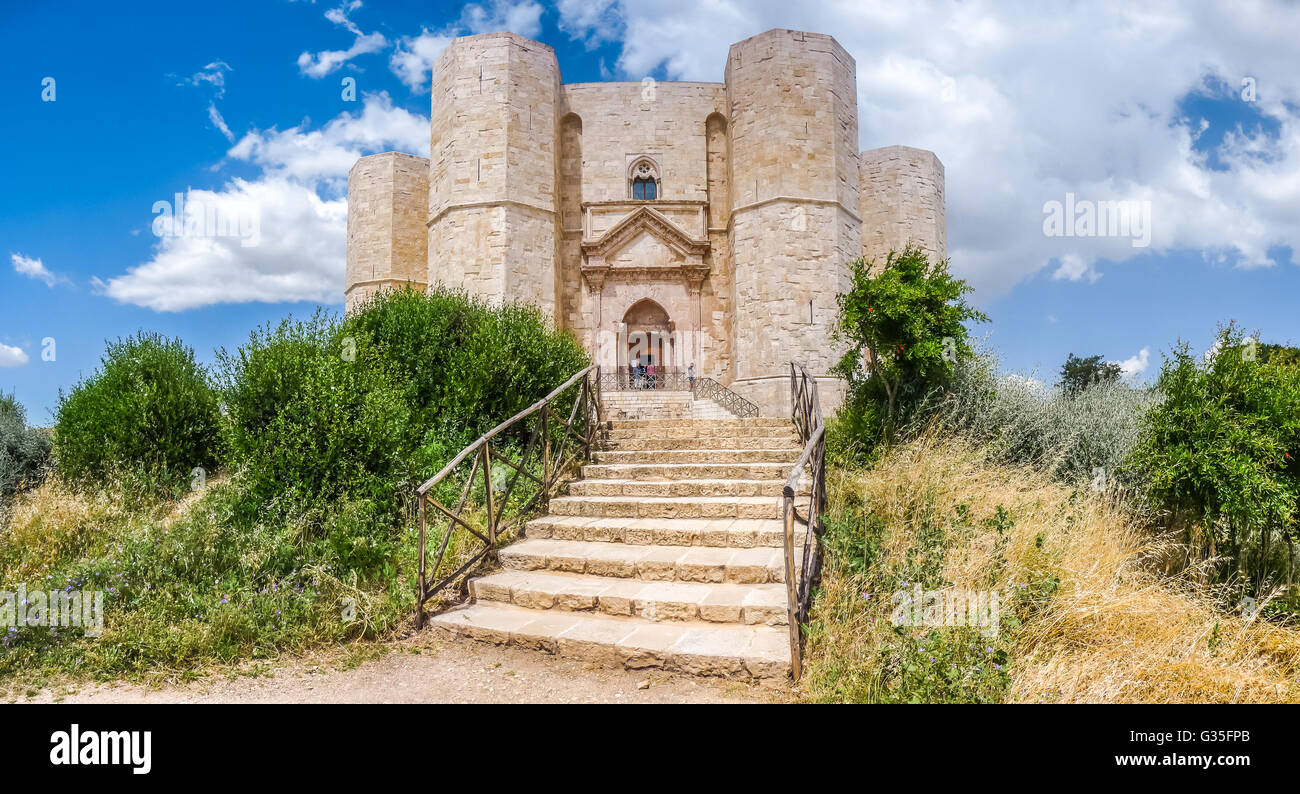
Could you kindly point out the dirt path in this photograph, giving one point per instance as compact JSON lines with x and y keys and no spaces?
{"x":427,"y":670}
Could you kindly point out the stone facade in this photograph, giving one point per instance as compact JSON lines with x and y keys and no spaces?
{"x":725,"y":212}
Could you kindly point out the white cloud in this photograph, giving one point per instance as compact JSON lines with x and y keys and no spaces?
{"x":34,"y":268}
{"x":297,"y":209}
{"x":516,"y":16}
{"x":413,"y":57}
{"x":326,"y":154}
{"x":327,"y":61}
{"x":1076,"y":268}
{"x":220,"y":123}
{"x":12,"y":356}
{"x":214,"y":74}
{"x":412,"y":60}
{"x":299,"y":254}
{"x":1136,"y":365}
{"x":595,"y":21}
{"x":1025,"y":103}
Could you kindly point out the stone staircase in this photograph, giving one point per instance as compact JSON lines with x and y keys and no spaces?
{"x":661,"y":404}
{"x":667,"y":554}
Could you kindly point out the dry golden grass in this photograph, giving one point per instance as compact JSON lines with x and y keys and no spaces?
{"x":50,"y":523}
{"x":1116,"y":628}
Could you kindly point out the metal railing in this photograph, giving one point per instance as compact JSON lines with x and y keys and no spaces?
{"x":710,"y":389}
{"x":628,"y":379}
{"x":806,"y":413}
{"x":486,"y":492}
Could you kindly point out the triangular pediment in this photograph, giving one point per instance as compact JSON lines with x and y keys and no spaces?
{"x":642,"y":222}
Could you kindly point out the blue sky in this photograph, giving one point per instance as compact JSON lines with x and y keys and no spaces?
{"x":242,"y":105}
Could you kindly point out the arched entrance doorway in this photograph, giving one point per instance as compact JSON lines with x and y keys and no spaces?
{"x":649,"y":339}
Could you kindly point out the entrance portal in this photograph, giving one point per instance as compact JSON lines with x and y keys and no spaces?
{"x":649,"y":338}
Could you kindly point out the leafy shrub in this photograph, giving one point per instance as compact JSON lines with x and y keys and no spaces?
{"x":465,"y":366}
{"x":1071,"y":434}
{"x":311,"y":419}
{"x":1222,"y":453}
{"x":326,"y":425}
{"x":149,"y":408}
{"x":24,"y":451}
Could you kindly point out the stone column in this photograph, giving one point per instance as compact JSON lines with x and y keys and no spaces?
{"x":695,"y":275}
{"x":594,"y":272}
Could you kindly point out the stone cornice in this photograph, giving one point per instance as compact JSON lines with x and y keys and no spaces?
{"x":646,"y":203}
{"x":494,"y":203}
{"x":793,"y":200}
{"x":392,"y":280}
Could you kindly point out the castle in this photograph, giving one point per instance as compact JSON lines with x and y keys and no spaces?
{"x":667,"y":223}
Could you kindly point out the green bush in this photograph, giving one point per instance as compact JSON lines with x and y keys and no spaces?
{"x":1222,"y":454}
{"x":310,"y":419}
{"x":148,"y":409}
{"x":1072,"y":434}
{"x":326,"y":426}
{"x":465,"y":366}
{"x":24,"y":451}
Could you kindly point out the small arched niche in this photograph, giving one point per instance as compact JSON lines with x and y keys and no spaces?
{"x":571,"y":171}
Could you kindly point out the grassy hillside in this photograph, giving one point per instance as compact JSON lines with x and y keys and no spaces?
{"x":1088,"y":614}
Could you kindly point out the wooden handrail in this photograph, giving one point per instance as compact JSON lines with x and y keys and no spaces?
{"x":483,"y":439}
{"x":806,"y":414}
{"x":584,"y":424}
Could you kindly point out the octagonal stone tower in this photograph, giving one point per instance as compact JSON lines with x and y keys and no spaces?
{"x":493,"y":169}
{"x":388,"y":198}
{"x":902,"y":202}
{"x":794,"y":205}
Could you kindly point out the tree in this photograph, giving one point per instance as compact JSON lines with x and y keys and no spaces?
{"x":905,"y":329}
{"x":1221,"y":453}
{"x":1078,"y":373}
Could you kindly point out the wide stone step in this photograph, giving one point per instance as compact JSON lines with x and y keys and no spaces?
{"x":651,"y":424}
{"x":760,"y":565}
{"x":654,"y":442}
{"x":740,"y":533}
{"x":654,"y":601}
{"x":687,"y":471}
{"x":619,"y":432}
{"x":782,"y":455}
{"x":667,"y":506}
{"x":693,"y":648}
{"x":669,"y":488}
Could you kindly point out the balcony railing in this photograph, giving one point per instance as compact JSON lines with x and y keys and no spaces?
{"x":676,"y":379}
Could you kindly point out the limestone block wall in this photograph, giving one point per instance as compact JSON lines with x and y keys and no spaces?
{"x":493,"y":225}
{"x":665,"y":121}
{"x":646,"y":404}
{"x":794,"y":195}
{"x":902,"y":202}
{"x":387,"y":206}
